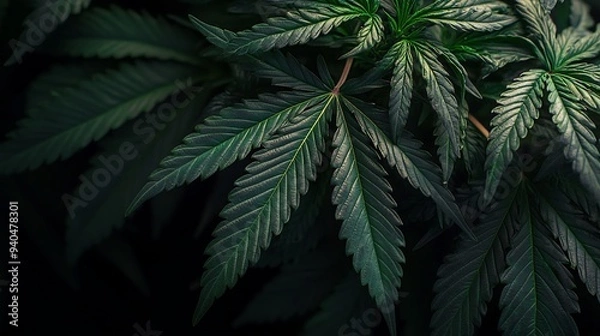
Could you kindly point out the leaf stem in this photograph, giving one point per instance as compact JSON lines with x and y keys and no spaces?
{"x":344,"y":75}
{"x":479,"y":126}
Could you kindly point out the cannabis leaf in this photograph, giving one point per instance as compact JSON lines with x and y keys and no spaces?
{"x":120,"y":33}
{"x":538,"y":296}
{"x":366,"y":206}
{"x":263,"y":199}
{"x":60,"y":127}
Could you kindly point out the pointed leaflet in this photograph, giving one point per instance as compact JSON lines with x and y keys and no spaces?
{"x":364,"y":203}
{"x":298,"y":27}
{"x":447,"y":156}
{"x":222,"y":139}
{"x":470,"y":15}
{"x":468,"y":276}
{"x":54,"y":12}
{"x":119,"y":33}
{"x":304,"y":230}
{"x":518,"y":109}
{"x":440,"y":91}
{"x":304,"y":283}
{"x":90,"y":224}
{"x":538,"y":297}
{"x":368,"y":36}
{"x":542,"y":27}
{"x":263,"y":200}
{"x":576,"y":131}
{"x":282,"y":70}
{"x":408,"y":158}
{"x":585,"y":47}
{"x":85,"y":113}
{"x":577,"y":237}
{"x":401,"y":87}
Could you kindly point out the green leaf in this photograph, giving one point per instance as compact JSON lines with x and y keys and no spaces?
{"x":305,"y":229}
{"x":119,"y":33}
{"x":368,"y":36}
{"x":470,"y":15}
{"x":538,"y":296}
{"x":411,"y":162}
{"x":576,"y":130}
{"x":285,"y":71}
{"x":401,"y":87}
{"x":263,"y":200}
{"x":221,"y":140}
{"x":215,"y":35}
{"x":364,"y":203}
{"x":60,"y":127}
{"x":445,"y":151}
{"x":540,"y":25}
{"x":54,"y":12}
{"x":321,"y":268}
{"x":577,"y":237}
{"x":584,"y":47}
{"x":518,"y":108}
{"x":298,"y":27}
{"x":468,"y":276}
{"x":440,"y":92}
{"x":580,"y":16}
{"x":128,"y":157}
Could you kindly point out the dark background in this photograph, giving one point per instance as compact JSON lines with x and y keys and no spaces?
{"x":105,"y":302}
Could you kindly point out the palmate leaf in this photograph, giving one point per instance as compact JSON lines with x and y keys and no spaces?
{"x":468,"y":277}
{"x":538,"y":297}
{"x":411,"y":162}
{"x":38,"y":28}
{"x":470,"y":15}
{"x":322,"y":268}
{"x":576,"y":236}
{"x":518,"y":108}
{"x":441,"y":92}
{"x":118,"y":33}
{"x":263,"y":200}
{"x":401,"y":87}
{"x":80,"y":115}
{"x":91,"y":221}
{"x":581,"y":48}
{"x":222,"y":139}
{"x":576,"y":131}
{"x":370,"y":223}
{"x":298,"y":27}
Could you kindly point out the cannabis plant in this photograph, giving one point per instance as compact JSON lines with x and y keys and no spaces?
{"x":354,"y":120}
